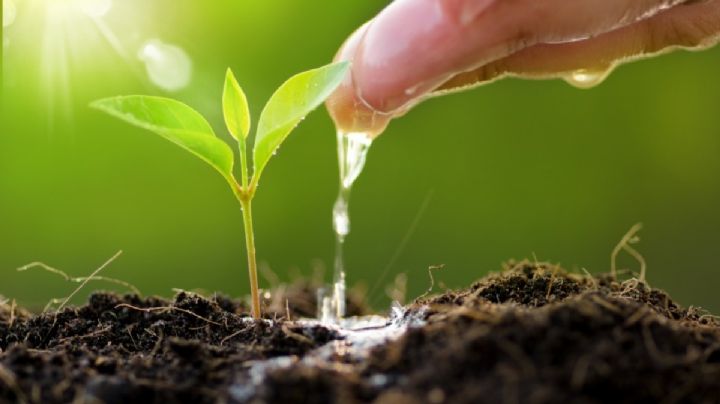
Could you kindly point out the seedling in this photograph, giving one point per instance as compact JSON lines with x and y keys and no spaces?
{"x":187,"y":128}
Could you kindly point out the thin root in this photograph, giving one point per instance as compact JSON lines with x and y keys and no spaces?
{"x":91,"y":335}
{"x":624,"y":245}
{"x":431,"y":268}
{"x":82,"y":280}
{"x":231,"y":336}
{"x":168,"y":308}
{"x":79,"y":279}
{"x":591,"y":278}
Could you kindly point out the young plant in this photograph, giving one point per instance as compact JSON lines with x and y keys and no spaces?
{"x":184,"y":126}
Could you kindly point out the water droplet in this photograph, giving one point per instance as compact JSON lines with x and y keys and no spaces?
{"x":168,"y":66}
{"x":341,"y":218}
{"x":94,"y":8}
{"x":586,"y":78}
{"x":9,"y":12}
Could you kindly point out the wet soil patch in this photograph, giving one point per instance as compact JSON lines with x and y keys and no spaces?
{"x":531,"y":333}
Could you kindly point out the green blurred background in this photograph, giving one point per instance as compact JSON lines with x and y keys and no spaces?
{"x":509,"y":170}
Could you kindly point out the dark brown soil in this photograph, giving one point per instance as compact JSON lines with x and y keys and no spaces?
{"x":532,"y":333}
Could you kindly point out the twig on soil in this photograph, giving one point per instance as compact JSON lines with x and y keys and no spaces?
{"x":591,"y":278}
{"x":52,"y":302}
{"x":80,"y":279}
{"x":129,"y":332}
{"x":158,"y":343}
{"x":552,"y":279}
{"x":83,"y":280}
{"x":231,"y":336}
{"x":624,"y":245}
{"x":432,"y":279}
{"x":167,"y":308}
{"x":87,"y":279}
{"x":90,"y":335}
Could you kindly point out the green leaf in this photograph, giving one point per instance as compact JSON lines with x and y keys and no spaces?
{"x":235,"y":108}
{"x":175,"y":122}
{"x":295,"y":98}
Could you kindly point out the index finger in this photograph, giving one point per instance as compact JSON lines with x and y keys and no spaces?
{"x":413,"y":46}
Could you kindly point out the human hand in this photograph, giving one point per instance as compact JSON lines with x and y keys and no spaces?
{"x":415,"y":49}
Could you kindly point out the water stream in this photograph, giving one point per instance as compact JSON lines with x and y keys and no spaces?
{"x":352,"y":151}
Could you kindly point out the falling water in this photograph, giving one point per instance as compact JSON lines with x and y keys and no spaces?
{"x":352,"y":150}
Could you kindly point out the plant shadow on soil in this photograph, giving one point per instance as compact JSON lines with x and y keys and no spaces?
{"x":531,"y":333}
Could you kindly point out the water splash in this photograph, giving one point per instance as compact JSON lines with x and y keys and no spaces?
{"x":168,"y":66}
{"x":358,"y":337}
{"x":352,"y":152}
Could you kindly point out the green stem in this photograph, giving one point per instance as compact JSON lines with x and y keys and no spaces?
{"x":246,"y":203}
{"x":244,"y":194}
{"x":243,"y":163}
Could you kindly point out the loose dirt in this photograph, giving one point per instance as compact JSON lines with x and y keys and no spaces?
{"x":532,"y":333}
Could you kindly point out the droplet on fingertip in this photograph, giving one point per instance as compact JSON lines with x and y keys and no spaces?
{"x":587,"y":78}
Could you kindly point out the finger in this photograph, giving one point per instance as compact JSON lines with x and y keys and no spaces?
{"x":689,"y":26}
{"x":413,"y":46}
{"x":349,"y":112}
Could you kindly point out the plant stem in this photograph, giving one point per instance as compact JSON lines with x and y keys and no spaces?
{"x":243,"y":162}
{"x":250,"y":245}
{"x":244,"y":194}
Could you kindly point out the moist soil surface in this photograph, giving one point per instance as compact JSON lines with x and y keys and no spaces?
{"x":532,"y":333}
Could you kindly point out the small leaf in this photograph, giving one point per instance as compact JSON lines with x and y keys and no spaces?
{"x":295,"y":98}
{"x":235,"y":108}
{"x":175,"y":122}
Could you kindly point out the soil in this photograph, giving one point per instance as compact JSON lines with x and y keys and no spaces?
{"x":531,"y":333}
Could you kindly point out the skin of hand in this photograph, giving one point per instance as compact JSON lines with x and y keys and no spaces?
{"x":416,"y":49}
